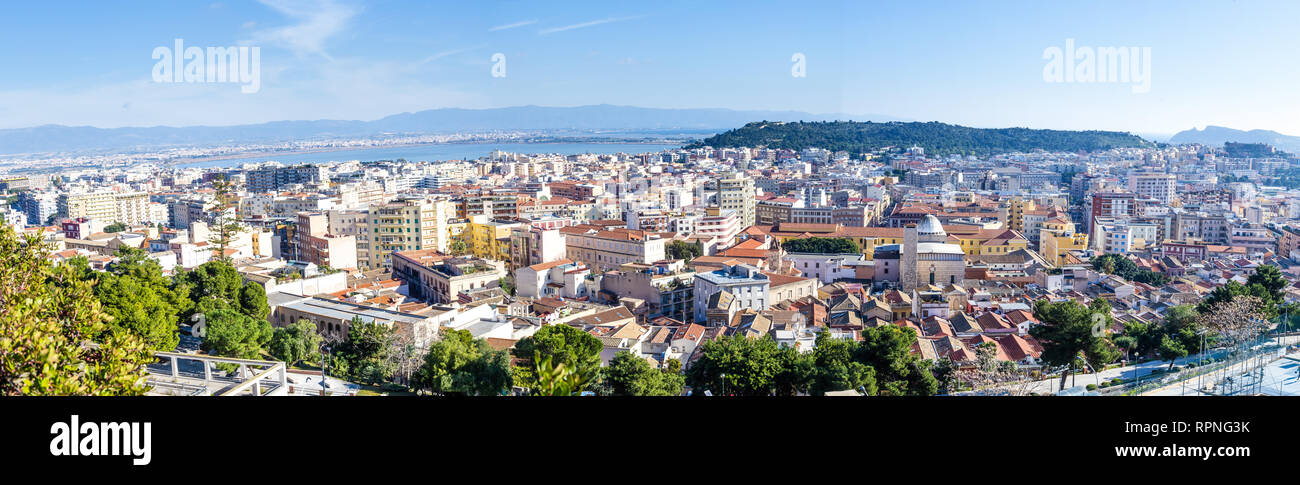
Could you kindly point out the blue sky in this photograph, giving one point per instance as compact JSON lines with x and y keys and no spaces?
{"x":974,"y":63}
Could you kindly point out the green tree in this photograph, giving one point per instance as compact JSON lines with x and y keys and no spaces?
{"x":115,"y":227}
{"x":140,"y":300}
{"x":233,"y":334}
{"x":836,"y":370}
{"x":1171,"y":350}
{"x":507,"y":285}
{"x":364,"y":355}
{"x":684,"y":250}
{"x":1125,"y":268}
{"x":1253,"y":288}
{"x":1145,"y":336}
{"x":252,"y":300}
{"x":296,"y":343}
{"x":822,"y":245}
{"x":1067,"y":332}
{"x":225,"y":228}
{"x":217,"y":285}
{"x":898,"y":372}
{"x":459,"y":364}
{"x":796,"y":374}
{"x":560,"y":341}
{"x":457,"y":247}
{"x":53,"y":331}
{"x":1183,"y":324}
{"x":563,"y":375}
{"x":629,"y":375}
{"x":1126,"y":343}
{"x":751,"y":367}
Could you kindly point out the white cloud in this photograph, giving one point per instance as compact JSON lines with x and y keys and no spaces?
{"x":585,"y":24}
{"x":317,"y":21}
{"x":511,"y":26}
{"x":443,"y":54}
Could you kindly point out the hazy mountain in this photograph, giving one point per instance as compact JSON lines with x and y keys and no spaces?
{"x":59,"y":138}
{"x":1218,"y":135}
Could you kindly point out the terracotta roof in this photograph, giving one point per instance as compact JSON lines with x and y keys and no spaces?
{"x":552,"y":264}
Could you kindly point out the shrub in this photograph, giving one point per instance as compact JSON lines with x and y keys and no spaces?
{"x":1091,"y":387}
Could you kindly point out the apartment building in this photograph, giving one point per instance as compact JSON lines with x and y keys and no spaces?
{"x":605,"y":250}
{"x":736,"y":192}
{"x":407,"y":225}
{"x":745,"y":286}
{"x":271,"y":179}
{"x":127,"y":208}
{"x":1158,"y":186}
{"x":489,"y":239}
{"x":438,"y":278}
{"x":355,"y":223}
{"x":531,"y":245}
{"x":723,"y":224}
{"x":313,"y":243}
{"x":667,"y":288}
{"x":560,"y":278}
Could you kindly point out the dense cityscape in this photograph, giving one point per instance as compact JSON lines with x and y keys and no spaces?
{"x":706,"y":270}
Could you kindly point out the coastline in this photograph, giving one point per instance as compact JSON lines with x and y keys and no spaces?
{"x":299,"y":152}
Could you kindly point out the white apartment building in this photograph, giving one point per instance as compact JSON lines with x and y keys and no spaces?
{"x":1158,"y":186}
{"x":826,"y":268}
{"x":746,"y":283}
{"x":606,"y":250}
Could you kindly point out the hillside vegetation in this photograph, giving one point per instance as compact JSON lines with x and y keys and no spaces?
{"x":936,"y":138}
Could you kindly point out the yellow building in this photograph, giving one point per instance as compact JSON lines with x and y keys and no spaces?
{"x":1057,"y":238}
{"x":488,"y":239}
{"x":972,"y":241}
{"x":989,"y":241}
{"x":1015,"y":208}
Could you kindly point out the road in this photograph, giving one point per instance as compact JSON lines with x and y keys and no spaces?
{"x":1051,"y":386}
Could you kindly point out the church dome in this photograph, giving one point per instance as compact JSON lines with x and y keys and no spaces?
{"x":930,"y":226}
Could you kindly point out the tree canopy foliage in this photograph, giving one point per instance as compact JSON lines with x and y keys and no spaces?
{"x":936,"y":138}
{"x":140,"y":299}
{"x":234,"y":334}
{"x":1071,"y":331}
{"x":54,"y":334}
{"x":881,"y":364}
{"x":1267,"y":284}
{"x":364,"y":355}
{"x":460,"y":364}
{"x":296,"y":342}
{"x":629,"y":375}
{"x":562,"y":341}
{"x":684,"y":250}
{"x":822,"y":245}
{"x":1123,"y":267}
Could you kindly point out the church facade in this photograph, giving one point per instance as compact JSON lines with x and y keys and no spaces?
{"x":924,"y":258}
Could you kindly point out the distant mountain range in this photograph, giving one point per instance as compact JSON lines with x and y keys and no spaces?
{"x":1218,"y":135}
{"x":59,"y":138}
{"x":936,"y":138}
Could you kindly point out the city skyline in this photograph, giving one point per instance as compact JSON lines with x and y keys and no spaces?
{"x":957,"y":63}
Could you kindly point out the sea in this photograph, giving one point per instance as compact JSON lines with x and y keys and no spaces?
{"x":438,"y":152}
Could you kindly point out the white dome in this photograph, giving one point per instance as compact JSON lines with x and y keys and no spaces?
{"x":930,"y":226}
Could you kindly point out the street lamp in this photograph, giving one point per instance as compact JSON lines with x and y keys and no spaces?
{"x":1096,"y":375}
{"x":324,"y":368}
{"x":724,"y":384}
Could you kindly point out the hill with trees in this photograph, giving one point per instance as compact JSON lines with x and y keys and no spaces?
{"x":936,"y":138}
